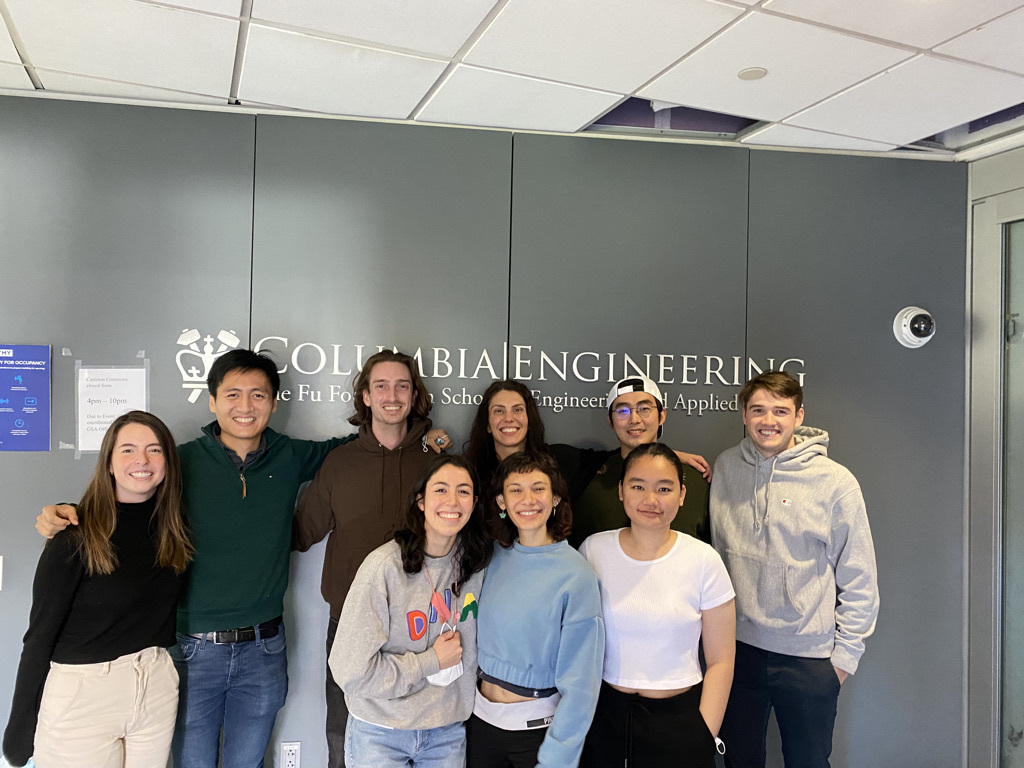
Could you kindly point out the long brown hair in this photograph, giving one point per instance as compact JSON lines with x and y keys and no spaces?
{"x":97,"y":511}
{"x":480,"y":448}
{"x":474,"y":543}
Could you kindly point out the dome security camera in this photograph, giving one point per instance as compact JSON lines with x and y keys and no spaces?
{"x":913,"y":327}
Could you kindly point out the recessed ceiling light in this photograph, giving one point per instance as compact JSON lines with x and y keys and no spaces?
{"x":752,"y":73}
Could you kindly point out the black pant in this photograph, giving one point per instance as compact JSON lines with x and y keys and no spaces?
{"x":490,"y":747}
{"x":337,"y":712}
{"x":630,"y":731}
{"x":804,"y":694}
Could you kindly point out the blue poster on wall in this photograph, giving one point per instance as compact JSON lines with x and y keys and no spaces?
{"x":24,"y":397}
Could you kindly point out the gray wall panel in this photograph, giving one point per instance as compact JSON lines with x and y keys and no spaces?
{"x":119,"y":227}
{"x":374,"y":235}
{"x":838,"y":246}
{"x":635,"y":248}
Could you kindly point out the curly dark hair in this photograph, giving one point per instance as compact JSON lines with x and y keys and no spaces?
{"x":559,"y":524}
{"x":473,"y":546}
{"x":479,"y":449}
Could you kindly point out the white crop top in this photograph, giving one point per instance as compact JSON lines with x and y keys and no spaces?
{"x":652,"y":609}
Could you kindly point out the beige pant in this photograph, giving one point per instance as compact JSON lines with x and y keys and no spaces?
{"x":115,"y":714}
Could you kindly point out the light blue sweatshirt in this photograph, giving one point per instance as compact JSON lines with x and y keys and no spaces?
{"x":540,"y":626}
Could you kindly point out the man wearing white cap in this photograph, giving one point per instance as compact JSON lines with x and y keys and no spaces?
{"x":636,"y":412}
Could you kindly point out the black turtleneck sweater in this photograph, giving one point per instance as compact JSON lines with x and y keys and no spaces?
{"x":82,"y":619}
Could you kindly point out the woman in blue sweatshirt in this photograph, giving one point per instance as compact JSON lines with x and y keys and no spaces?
{"x":540,"y":637}
{"x":95,"y":685}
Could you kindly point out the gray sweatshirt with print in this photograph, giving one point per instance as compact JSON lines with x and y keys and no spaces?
{"x":383,"y":651}
{"x":794,"y":535}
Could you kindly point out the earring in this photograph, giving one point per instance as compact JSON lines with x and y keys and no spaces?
{"x":502,"y":515}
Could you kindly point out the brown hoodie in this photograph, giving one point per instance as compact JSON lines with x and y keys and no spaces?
{"x":360,"y":493}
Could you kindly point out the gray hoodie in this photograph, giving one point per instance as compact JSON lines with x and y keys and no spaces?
{"x":794,"y":535}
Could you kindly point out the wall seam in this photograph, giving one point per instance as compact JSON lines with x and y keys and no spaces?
{"x":511,"y":208}
{"x":252,"y":228}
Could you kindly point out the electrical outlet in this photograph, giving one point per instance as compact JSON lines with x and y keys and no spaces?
{"x":290,"y":754}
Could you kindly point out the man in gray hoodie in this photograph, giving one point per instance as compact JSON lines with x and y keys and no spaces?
{"x":791,"y":526}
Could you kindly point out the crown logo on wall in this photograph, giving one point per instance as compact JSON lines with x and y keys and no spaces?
{"x":195,"y":364}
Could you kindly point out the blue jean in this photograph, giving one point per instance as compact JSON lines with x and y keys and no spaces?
{"x":371,"y":746}
{"x":237,"y":687}
{"x":804,"y":694}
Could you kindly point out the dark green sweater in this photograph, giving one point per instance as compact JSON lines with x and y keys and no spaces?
{"x":241,"y":527}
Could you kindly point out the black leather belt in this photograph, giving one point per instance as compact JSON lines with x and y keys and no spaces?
{"x":243,"y":634}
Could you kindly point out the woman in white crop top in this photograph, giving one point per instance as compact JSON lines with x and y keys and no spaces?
{"x":662,"y":593}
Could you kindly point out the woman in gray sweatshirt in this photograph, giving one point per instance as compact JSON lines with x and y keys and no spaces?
{"x":405,"y":651}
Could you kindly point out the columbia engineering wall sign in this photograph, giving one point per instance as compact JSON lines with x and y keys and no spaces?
{"x":316,"y":373}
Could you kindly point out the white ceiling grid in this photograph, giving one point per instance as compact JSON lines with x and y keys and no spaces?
{"x":129,"y":42}
{"x":483,"y":97}
{"x":436,"y":28}
{"x":999,"y":44}
{"x":869,"y":75}
{"x":607,"y":44}
{"x":792,"y":53}
{"x":927,"y":94}
{"x":8,"y":52}
{"x":14,"y":76}
{"x":295,"y":70}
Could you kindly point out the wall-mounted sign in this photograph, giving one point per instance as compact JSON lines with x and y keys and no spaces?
{"x":103,"y":395}
{"x":24,"y":397}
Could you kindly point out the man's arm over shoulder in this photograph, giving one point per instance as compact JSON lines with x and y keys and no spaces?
{"x":312,"y":453}
{"x":314,"y":517}
{"x":852,"y":554}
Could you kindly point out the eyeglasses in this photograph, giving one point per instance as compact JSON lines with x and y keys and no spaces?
{"x":643,"y":411}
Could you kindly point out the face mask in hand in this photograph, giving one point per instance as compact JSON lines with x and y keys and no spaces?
{"x":446,"y":676}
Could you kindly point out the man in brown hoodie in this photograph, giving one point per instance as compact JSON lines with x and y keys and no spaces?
{"x":361,"y":491}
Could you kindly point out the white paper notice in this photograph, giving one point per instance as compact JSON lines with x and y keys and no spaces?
{"x":103,"y":395}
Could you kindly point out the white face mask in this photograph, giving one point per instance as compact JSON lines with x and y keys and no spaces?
{"x":446,"y":676}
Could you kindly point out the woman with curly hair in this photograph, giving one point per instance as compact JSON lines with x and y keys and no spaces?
{"x":541,"y":639}
{"x":405,"y":652}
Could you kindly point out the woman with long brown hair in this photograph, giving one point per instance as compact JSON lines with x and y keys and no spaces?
{"x":96,"y":687}
{"x":405,"y":652}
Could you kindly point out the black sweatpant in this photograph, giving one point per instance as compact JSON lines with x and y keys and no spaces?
{"x":631,"y":731}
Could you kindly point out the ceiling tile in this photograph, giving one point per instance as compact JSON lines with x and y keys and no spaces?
{"x":7,"y":50}
{"x":805,"y":65}
{"x":14,"y":76}
{"x":62,"y":82}
{"x":295,"y":70}
{"x":914,"y":22}
{"x":129,"y":41}
{"x":431,"y":27}
{"x":789,"y":136}
{"x":609,"y":44}
{"x":915,"y":100}
{"x":223,"y":7}
{"x":998,"y":44}
{"x":472,"y":96}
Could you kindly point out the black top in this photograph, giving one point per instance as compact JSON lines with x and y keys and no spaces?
{"x":81,"y":619}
